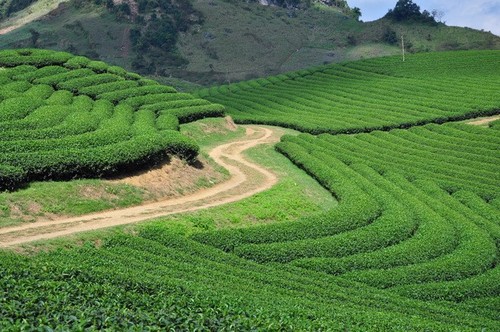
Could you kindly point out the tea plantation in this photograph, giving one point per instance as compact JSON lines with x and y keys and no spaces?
{"x":417,"y":215}
{"x":374,"y":94}
{"x":64,"y":116}
{"x":413,"y":244}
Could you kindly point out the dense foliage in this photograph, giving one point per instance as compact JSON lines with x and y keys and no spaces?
{"x":418,"y":215}
{"x":407,"y":10}
{"x":374,"y":94}
{"x":63,"y":116}
{"x":159,"y":281}
{"x":413,"y":244}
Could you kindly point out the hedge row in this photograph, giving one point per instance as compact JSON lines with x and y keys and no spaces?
{"x":63,"y":116}
{"x":434,"y":237}
{"x":423,"y":235}
{"x":147,"y":90}
{"x":165,"y":281}
{"x":356,"y":97}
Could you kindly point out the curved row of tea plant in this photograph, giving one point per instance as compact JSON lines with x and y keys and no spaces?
{"x":418,"y":212}
{"x":374,"y":94}
{"x":63,"y":116}
{"x":162,"y":281}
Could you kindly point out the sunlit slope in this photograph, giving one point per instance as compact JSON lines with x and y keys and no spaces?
{"x":412,"y":245}
{"x":380,"y":93}
{"x":418,"y":213}
{"x":63,"y":116}
{"x":162,"y":281}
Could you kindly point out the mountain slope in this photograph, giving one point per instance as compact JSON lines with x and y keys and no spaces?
{"x":227,"y":41}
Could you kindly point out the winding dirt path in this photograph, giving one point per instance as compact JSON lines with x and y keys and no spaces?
{"x":246,"y":179}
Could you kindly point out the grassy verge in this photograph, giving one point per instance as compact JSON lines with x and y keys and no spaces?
{"x":296,"y":195}
{"x":45,"y":199}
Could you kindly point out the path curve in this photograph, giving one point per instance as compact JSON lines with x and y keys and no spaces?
{"x":483,"y":121}
{"x":247,"y":179}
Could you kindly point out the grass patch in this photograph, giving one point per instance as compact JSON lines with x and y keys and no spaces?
{"x":296,"y":195}
{"x":44,"y":199}
{"x":211,"y":132}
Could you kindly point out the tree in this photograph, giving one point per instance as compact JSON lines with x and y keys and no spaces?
{"x":35,"y":35}
{"x":407,"y":10}
{"x":356,"y":13}
{"x":437,"y":15}
{"x":404,"y":10}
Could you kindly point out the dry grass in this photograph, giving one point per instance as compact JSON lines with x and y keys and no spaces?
{"x":30,"y":14}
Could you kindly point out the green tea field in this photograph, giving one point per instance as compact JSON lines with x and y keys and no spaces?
{"x":378,"y":207}
{"x":63,"y":116}
{"x":374,"y":94}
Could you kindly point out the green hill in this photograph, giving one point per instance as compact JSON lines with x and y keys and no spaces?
{"x":366,"y":95}
{"x":65,"y":116}
{"x":412,"y":244}
{"x":226,"y":41}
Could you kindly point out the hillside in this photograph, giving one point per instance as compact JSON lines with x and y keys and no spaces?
{"x":408,"y":240}
{"x":373,"y":94}
{"x":64,"y":116}
{"x":226,"y":41}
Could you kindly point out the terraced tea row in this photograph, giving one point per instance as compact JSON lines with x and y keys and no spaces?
{"x":419,"y":212}
{"x":164,"y":281}
{"x":375,"y":94}
{"x":63,"y":116}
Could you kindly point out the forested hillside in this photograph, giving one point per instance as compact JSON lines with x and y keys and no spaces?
{"x":9,"y":7}
{"x":225,"y":41}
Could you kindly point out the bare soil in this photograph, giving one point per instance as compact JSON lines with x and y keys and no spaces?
{"x":8,"y":29}
{"x":246,"y":179}
{"x":483,"y":121}
{"x":173,"y":178}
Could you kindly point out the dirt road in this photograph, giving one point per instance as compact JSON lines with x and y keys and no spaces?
{"x":30,"y":14}
{"x":484,"y":121}
{"x":246,"y":179}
